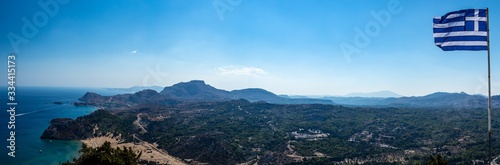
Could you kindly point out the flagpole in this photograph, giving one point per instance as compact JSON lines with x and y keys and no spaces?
{"x":489,"y":86}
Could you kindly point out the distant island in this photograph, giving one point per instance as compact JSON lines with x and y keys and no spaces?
{"x":192,"y":122}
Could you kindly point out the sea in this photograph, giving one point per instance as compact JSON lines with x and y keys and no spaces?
{"x":35,"y":108}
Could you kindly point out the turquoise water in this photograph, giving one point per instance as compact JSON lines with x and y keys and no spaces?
{"x":35,"y":109}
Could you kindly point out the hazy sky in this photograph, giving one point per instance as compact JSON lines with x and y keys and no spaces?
{"x":327,"y":47}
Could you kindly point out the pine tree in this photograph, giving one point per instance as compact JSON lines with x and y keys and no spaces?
{"x":437,"y":160}
{"x":105,"y":155}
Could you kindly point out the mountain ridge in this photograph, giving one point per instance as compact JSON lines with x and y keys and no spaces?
{"x":134,"y":89}
{"x":192,"y":91}
{"x":199,"y":91}
{"x":436,"y":99}
{"x":378,"y":94}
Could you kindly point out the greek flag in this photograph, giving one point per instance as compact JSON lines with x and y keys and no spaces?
{"x":462,"y":30}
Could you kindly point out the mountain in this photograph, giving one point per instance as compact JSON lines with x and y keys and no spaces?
{"x":144,"y":96}
{"x":255,"y":94}
{"x":192,"y":91}
{"x":435,"y":100}
{"x":443,"y":99}
{"x":381,"y":94}
{"x":147,"y":96}
{"x":360,"y":101}
{"x":197,"y":90}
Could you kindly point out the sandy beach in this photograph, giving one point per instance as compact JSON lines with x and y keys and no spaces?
{"x":150,"y":152}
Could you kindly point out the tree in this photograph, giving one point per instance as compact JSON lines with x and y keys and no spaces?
{"x":105,"y":155}
{"x":437,"y":160}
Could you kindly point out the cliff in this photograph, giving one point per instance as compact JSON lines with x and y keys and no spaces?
{"x":98,"y":123}
{"x":65,"y":129}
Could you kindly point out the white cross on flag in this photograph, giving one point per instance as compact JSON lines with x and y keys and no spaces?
{"x":462,"y":30}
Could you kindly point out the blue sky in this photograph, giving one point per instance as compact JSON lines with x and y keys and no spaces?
{"x":287,"y":47}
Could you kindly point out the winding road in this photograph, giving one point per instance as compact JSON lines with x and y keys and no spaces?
{"x":138,"y":124}
{"x":494,"y":161}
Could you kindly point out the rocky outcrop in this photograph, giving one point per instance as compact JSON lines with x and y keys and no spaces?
{"x":97,"y":123}
{"x":65,"y":129}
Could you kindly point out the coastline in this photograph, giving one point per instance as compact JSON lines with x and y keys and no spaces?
{"x":150,"y":152}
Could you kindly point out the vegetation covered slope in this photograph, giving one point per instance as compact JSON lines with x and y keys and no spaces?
{"x":240,"y":131}
{"x":98,"y":123}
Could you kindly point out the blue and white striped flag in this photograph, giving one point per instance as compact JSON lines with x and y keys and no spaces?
{"x":462,"y":30}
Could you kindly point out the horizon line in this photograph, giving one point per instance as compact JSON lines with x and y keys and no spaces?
{"x":293,"y":95}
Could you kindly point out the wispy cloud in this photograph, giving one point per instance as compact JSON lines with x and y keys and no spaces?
{"x":241,"y":71}
{"x":133,"y":52}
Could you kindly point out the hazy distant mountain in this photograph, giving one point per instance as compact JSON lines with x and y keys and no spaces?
{"x":361,"y":101}
{"x":438,"y":100}
{"x":256,"y":94}
{"x":136,"y":89}
{"x":300,"y":97}
{"x":382,"y":94}
{"x":443,"y":99}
